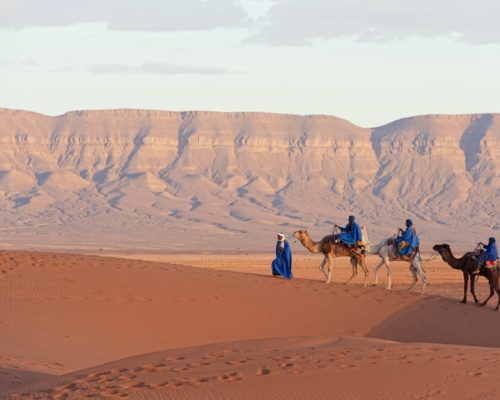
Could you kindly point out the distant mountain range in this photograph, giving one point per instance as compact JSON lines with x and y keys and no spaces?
{"x":174,"y":181}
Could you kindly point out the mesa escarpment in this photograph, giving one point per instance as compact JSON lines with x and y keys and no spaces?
{"x":171,"y":180}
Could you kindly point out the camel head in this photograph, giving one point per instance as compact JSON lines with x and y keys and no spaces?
{"x":444,"y":250}
{"x":440,"y":248}
{"x":301,"y":234}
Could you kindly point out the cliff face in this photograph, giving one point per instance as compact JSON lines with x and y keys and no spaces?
{"x":226,"y":180}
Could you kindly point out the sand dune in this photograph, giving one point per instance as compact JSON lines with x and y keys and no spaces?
{"x":63,"y":313}
{"x":291,"y":368}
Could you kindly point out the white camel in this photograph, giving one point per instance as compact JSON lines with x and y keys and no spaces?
{"x":385,"y":250}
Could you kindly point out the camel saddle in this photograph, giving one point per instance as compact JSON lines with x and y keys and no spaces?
{"x":409,"y":257}
{"x":491,"y":265}
{"x":357,"y":250}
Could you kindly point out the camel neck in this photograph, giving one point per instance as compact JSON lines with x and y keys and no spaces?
{"x":452,"y":260}
{"x":310,"y":244}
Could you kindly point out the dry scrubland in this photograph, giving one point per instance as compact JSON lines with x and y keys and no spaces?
{"x":75,"y":326}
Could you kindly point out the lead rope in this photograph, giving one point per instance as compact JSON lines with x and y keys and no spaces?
{"x":287,"y":237}
{"x":433,"y":256}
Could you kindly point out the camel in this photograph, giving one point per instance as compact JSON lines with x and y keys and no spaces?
{"x":331,"y":250}
{"x":385,"y":251}
{"x":468,"y":264}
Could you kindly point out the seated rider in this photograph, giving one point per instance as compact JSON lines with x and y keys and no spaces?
{"x":408,"y":241}
{"x":490,"y":255}
{"x":351,"y":234}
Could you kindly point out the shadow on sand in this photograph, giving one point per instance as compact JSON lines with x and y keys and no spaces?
{"x":436,"y":319}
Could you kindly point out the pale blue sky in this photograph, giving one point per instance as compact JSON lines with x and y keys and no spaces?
{"x":369,"y":61}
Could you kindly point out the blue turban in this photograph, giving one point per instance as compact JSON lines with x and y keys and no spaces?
{"x":351,"y":219}
{"x":492,"y":240}
{"x":409,"y":222}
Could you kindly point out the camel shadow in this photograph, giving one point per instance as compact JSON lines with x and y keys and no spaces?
{"x":436,"y":319}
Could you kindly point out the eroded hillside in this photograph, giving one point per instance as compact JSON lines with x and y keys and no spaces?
{"x":204,"y":180}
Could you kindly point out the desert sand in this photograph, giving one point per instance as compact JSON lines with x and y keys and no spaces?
{"x":84,"y":326}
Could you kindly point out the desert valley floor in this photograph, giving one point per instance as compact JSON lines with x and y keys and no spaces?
{"x":217,"y":326}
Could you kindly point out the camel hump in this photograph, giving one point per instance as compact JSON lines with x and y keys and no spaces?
{"x":329,"y":238}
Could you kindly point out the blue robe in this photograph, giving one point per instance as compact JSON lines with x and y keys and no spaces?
{"x":490,"y":253}
{"x":350,"y":234}
{"x":282,"y":264}
{"x":411,"y":239}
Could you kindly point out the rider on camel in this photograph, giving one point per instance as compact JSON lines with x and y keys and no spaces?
{"x":489,"y":257}
{"x":351,"y":235}
{"x":408,"y":242}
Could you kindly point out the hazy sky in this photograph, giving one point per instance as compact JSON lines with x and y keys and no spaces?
{"x":369,"y":61}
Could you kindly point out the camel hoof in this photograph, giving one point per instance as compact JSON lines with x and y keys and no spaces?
{"x":464,"y":302}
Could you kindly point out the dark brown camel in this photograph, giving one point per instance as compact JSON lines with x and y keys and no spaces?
{"x":330,"y":250}
{"x":468,"y":264}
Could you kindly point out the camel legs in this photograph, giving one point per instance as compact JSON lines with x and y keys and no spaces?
{"x":417,"y":268}
{"x":330,"y":269}
{"x":473,"y":288}
{"x":375,"y":271}
{"x":389,"y":275}
{"x":384,"y":261}
{"x":322,"y":267}
{"x":354,"y":265}
{"x":496,"y":283}
{"x":414,"y":276}
{"x":466,"y":284}
{"x":365,"y":270}
{"x":489,"y":297}
{"x":494,"y":287}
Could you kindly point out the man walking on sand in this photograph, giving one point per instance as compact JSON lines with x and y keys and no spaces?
{"x":282,"y":264}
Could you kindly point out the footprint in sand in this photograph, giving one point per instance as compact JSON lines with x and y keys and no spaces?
{"x":238,"y":362}
{"x":230,"y":377}
{"x":263,"y":371}
{"x":204,"y":379}
{"x":213,"y":356}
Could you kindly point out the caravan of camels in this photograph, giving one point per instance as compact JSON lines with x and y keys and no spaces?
{"x":352,"y":241}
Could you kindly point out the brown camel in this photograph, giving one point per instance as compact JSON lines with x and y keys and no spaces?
{"x":330,"y":250}
{"x":468,"y":264}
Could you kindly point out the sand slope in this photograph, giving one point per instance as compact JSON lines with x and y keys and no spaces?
{"x":288,"y":368}
{"x":61,"y":313}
